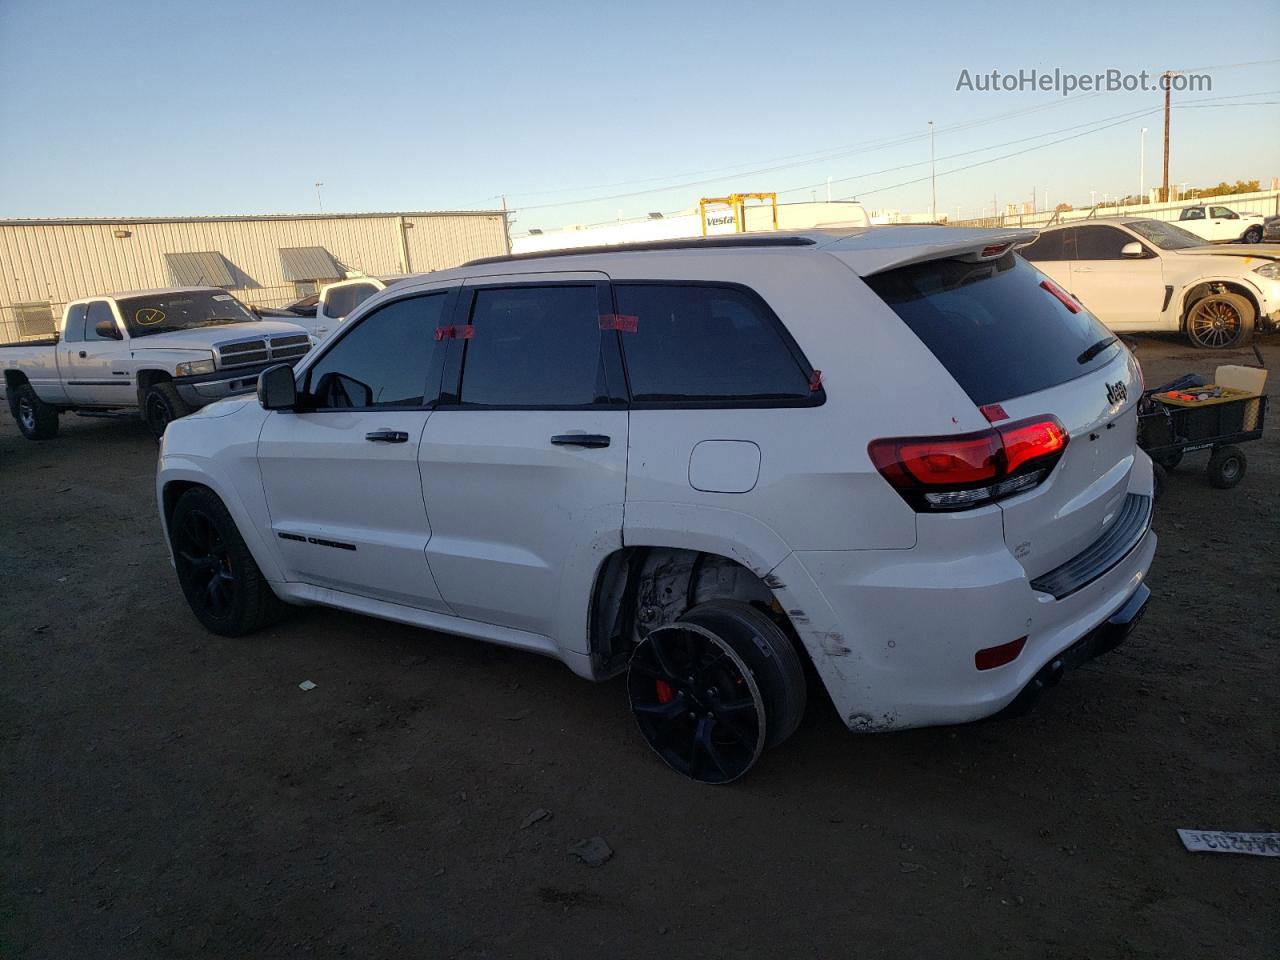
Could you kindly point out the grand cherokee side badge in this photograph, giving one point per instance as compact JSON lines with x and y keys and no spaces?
{"x":1116,"y":392}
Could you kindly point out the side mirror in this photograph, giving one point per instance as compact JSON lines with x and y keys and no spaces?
{"x":277,"y":389}
{"x":106,"y":330}
{"x":1132,"y":251}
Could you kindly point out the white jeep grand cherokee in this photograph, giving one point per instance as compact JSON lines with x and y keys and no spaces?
{"x":900,"y":453}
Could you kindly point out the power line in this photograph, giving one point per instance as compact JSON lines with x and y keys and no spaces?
{"x":1227,"y":66}
{"x":1118,"y":118}
{"x":1130,"y":115}
{"x":983,"y":163}
{"x":1106,"y":121}
{"x":820,"y":156}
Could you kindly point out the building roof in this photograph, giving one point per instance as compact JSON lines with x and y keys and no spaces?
{"x":225,"y":218}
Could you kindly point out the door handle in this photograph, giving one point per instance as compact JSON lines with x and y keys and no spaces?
{"x":592,"y":440}
{"x":387,"y":436}
{"x":83,"y":354}
{"x":1083,"y":269}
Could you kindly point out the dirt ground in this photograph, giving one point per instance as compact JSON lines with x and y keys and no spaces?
{"x":168,"y":793}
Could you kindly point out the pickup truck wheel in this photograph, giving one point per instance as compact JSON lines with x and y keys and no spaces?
{"x":1220,"y":320}
{"x":712,"y":690}
{"x":219,"y":577}
{"x":162,"y":404}
{"x":1252,"y":235}
{"x":36,"y":419}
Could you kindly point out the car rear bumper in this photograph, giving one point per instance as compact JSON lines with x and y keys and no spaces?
{"x":895,"y":635}
{"x":1103,"y":638}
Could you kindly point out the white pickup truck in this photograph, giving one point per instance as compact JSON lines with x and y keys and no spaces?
{"x":337,"y":300}
{"x":164,"y":352}
{"x":1219,"y":224}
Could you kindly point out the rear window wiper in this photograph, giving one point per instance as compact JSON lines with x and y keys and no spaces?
{"x":1096,"y":349}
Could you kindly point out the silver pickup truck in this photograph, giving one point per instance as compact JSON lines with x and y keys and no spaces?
{"x":163,"y":352}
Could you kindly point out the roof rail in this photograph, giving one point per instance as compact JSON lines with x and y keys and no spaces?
{"x":688,"y":243}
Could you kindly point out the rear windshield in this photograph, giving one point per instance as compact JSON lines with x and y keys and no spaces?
{"x":993,"y":326}
{"x":185,"y":310}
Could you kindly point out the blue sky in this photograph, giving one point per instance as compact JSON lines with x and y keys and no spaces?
{"x":158,"y":108}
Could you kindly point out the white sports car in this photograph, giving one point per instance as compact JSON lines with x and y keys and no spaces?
{"x":1148,"y":275}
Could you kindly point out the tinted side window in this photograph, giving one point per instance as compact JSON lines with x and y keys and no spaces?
{"x":1100,"y":243}
{"x":340,"y":302}
{"x":534,"y":346}
{"x":1223,"y":213}
{"x":384,"y":361}
{"x":73,"y":329}
{"x":1195,"y":213}
{"x":1048,"y":246}
{"x":99,"y":310}
{"x":707,"y":344}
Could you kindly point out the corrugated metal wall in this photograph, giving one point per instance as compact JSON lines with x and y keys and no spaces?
{"x":57,"y":262}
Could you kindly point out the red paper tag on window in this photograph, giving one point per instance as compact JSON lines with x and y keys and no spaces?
{"x":815,"y":382}
{"x":618,"y":321}
{"x":451,"y":332}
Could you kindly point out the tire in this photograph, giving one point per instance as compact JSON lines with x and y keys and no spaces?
{"x":161,"y":405}
{"x":1226,"y":467}
{"x":1220,"y":321}
{"x":676,"y":683}
{"x":219,"y":577}
{"x":1169,"y":461}
{"x":1252,"y":235}
{"x":36,"y":419}
{"x":1159,"y":479}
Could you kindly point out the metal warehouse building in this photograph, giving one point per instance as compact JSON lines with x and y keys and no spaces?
{"x":265,"y":260}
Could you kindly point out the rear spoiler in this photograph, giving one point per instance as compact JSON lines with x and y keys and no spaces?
{"x":970,"y":246}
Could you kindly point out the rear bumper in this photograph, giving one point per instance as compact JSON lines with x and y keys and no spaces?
{"x":894,"y":634}
{"x":1105,"y":637}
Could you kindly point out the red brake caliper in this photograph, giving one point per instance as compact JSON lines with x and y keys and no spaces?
{"x":665,"y":693}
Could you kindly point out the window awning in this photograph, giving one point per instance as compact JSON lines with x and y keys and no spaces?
{"x":309,"y":263}
{"x":208,"y":269}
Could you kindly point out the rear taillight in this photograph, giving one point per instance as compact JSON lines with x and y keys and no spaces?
{"x":970,"y":469}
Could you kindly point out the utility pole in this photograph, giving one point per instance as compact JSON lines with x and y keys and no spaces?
{"x":1167,"y":79}
{"x":319,"y":200}
{"x":1142,"y":165}
{"x":506,"y":224}
{"x":933,"y":177}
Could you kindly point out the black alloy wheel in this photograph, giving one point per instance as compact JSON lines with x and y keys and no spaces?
{"x":697,"y":703}
{"x":204,"y":566}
